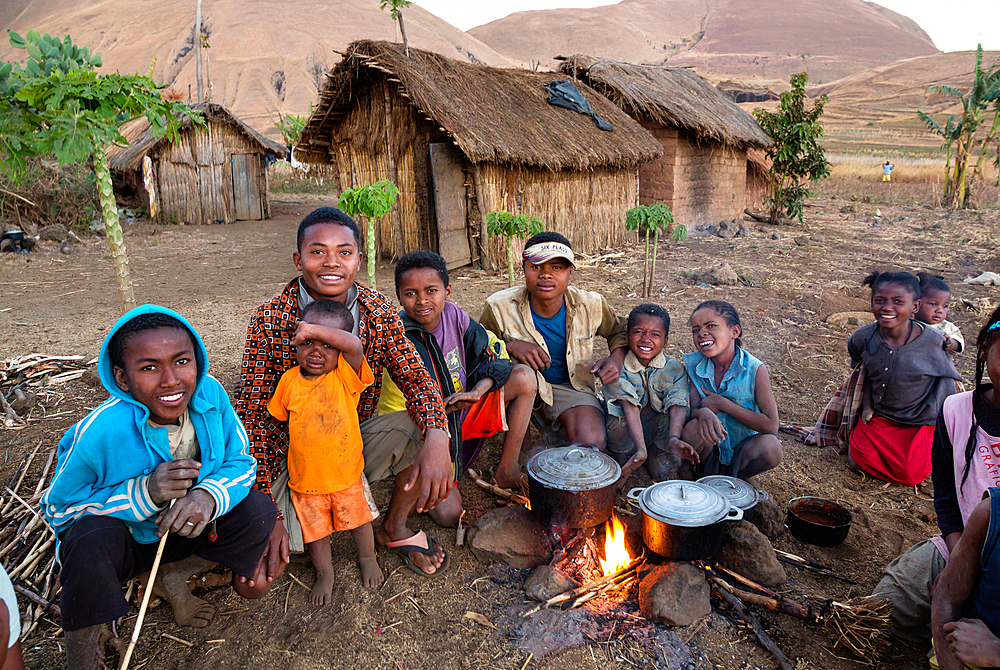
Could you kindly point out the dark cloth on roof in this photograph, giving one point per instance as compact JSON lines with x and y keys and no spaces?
{"x":565,"y":94}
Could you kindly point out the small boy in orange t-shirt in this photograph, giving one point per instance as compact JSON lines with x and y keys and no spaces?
{"x":319,"y":399}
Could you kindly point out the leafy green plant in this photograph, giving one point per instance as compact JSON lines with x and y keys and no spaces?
{"x":501,"y":223}
{"x":651,"y":219}
{"x":373,"y":201}
{"x":396,"y":12}
{"x":965,"y":134}
{"x":56,"y":104}
{"x":796,"y":154}
{"x":291,"y":126}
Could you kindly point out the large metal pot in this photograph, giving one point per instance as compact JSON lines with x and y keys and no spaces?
{"x":682,"y":520}
{"x":737,"y":492}
{"x":572,"y":487}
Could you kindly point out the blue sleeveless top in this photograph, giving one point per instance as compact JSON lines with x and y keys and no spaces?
{"x":982,"y":604}
{"x":737,"y":385}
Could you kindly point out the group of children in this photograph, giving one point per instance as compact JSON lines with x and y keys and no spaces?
{"x":337,"y":389}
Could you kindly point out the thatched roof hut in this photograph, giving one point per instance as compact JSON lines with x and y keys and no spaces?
{"x":461,"y":140}
{"x":213,"y":173}
{"x":702,"y":174}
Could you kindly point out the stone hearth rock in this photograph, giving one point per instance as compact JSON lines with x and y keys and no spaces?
{"x":55,"y":232}
{"x":724,"y":274}
{"x":769,"y":518}
{"x":545,"y":582}
{"x":728,"y":229}
{"x":675,"y":594}
{"x":512,"y":535}
{"x":747,"y":551}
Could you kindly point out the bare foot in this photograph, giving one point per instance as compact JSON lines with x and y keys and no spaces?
{"x":371,"y":573}
{"x":171,"y":583}
{"x":512,"y":479}
{"x":85,"y":647}
{"x":322,"y":591}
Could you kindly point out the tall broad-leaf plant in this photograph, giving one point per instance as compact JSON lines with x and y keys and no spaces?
{"x":55,"y":103}
{"x":502,"y":223}
{"x":650,"y":220}
{"x":373,"y":201}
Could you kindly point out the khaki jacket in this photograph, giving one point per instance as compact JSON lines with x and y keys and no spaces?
{"x":508,"y":315}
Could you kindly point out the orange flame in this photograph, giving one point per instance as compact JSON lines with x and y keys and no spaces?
{"x":616,"y":555}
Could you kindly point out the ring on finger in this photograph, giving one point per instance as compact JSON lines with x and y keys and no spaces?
{"x":189,"y":523}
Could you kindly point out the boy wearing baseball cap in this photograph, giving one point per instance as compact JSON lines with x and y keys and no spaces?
{"x":549,"y":326}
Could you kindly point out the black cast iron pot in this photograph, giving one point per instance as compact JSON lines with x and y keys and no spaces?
{"x":572,"y":487}
{"x":818,"y":520}
{"x":682,"y":520}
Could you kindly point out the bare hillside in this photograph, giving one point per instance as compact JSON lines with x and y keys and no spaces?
{"x":266,"y":55}
{"x":747,"y":40}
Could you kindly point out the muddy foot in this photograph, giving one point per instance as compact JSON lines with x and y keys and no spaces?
{"x":172,"y":584}
{"x":322,"y":591}
{"x":85,"y":647}
{"x":371,"y":573}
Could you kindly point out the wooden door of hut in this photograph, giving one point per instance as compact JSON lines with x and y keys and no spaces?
{"x":448,"y":175}
{"x":246,"y":189}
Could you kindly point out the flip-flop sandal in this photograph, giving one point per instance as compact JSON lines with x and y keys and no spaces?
{"x":421,"y":544}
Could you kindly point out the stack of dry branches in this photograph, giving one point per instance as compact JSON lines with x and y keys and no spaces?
{"x":27,"y":542}
{"x":860,"y":624}
{"x":23,"y":377}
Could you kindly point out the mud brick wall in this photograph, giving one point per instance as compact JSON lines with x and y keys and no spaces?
{"x":702,"y":183}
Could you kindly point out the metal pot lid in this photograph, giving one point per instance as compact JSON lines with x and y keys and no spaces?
{"x":683,"y":503}
{"x":735,"y":490}
{"x":574,"y":468}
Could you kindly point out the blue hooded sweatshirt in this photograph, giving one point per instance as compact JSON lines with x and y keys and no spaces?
{"x":105,"y":460}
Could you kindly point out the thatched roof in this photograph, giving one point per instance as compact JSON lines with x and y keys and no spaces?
{"x":671,"y":96}
{"x":141,"y":142}
{"x":494,"y":115}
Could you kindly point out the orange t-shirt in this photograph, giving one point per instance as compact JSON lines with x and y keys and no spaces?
{"x":324,"y":435}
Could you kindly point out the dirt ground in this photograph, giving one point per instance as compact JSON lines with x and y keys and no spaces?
{"x":217,"y":275}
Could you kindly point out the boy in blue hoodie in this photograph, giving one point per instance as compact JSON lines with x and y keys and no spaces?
{"x":166,"y":453}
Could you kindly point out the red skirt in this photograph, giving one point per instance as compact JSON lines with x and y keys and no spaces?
{"x":892,"y":451}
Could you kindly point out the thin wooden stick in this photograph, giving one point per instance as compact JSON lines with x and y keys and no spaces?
{"x":145,"y":599}
{"x":493,"y":488}
{"x":758,"y":630}
{"x":34,"y":597}
{"x":778,"y":604}
{"x":579,"y":591}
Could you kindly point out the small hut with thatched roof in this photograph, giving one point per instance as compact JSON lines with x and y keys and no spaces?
{"x":461,"y":140}
{"x":211,"y":173}
{"x":704,"y":174}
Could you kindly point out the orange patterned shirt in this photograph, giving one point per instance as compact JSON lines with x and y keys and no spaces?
{"x":269,"y":352}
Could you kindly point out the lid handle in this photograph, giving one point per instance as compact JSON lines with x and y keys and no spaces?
{"x":730,"y":483}
{"x":683,"y":494}
{"x":578,"y":452}
{"x":634,"y":493}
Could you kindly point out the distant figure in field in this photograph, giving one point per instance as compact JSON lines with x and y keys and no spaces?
{"x":887,"y":171}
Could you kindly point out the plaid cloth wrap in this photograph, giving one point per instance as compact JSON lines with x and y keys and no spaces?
{"x":840,"y":416}
{"x":269,"y":352}
{"x":837,"y":420}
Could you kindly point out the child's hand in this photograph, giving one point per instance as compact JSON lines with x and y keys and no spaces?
{"x":304,"y":331}
{"x":637,"y":459}
{"x":710,"y":427}
{"x":459,"y":401}
{"x":529,"y":353}
{"x":950,"y":344}
{"x":171,"y":480}
{"x":606,"y":371}
{"x":188,"y":516}
{"x":713,"y":401}
{"x":683,"y":450}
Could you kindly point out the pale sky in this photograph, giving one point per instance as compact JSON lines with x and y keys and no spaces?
{"x":957,"y":25}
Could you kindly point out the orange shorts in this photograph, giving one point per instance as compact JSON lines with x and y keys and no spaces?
{"x":322,"y":513}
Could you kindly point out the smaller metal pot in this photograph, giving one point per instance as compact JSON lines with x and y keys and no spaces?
{"x":682,"y":520}
{"x":737,"y":492}
{"x":818,"y":520}
{"x":572,"y":487}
